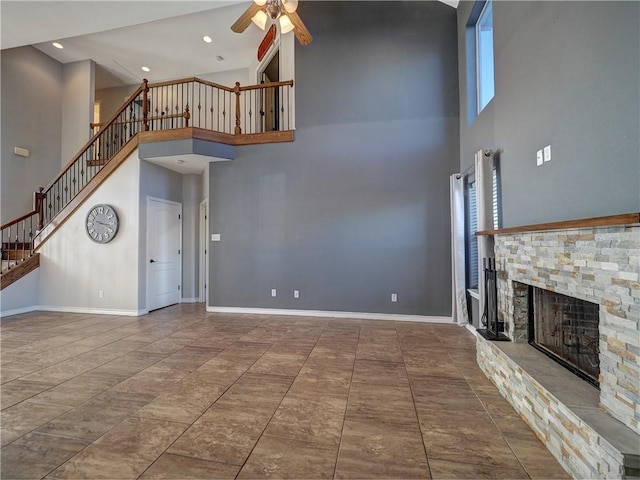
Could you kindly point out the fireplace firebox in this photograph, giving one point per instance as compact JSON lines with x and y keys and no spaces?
{"x":566,"y":329}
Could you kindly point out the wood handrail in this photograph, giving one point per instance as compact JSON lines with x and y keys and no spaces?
{"x":93,"y":139}
{"x":189,"y":80}
{"x":18,"y":220}
{"x":139,"y":120}
{"x":608,"y":221}
{"x":221,"y":87}
{"x":260,"y":86}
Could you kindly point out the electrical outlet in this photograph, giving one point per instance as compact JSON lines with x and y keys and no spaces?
{"x":547,"y":153}
{"x":273,"y":292}
{"x":539,"y":158}
{"x":394,"y":297}
{"x":296,"y":294}
{"x":101,"y":294}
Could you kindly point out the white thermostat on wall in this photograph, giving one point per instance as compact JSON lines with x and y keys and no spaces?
{"x":215,"y":237}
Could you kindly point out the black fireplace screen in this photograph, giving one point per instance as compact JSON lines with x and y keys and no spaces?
{"x":566,"y":328}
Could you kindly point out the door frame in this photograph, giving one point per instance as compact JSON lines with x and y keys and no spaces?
{"x":203,"y":252}
{"x":260,"y":72}
{"x":146,"y":259}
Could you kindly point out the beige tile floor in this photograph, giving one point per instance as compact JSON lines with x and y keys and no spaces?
{"x":182,"y":393}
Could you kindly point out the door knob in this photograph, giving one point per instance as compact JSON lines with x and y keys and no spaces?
{"x":152,"y":261}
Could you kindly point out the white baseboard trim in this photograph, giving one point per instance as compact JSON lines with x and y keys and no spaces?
{"x":472,"y":329}
{"x":191,"y":300}
{"x":94,"y":311}
{"x":18,"y":311}
{"x":330,"y":314}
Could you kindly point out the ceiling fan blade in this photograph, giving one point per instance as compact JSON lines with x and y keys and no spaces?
{"x":245,"y":19}
{"x":300,"y":30}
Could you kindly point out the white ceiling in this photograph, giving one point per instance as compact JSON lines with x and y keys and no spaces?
{"x":171,"y":47}
{"x":122,"y":36}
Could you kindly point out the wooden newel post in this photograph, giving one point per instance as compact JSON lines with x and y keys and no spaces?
{"x":237,"y":92}
{"x":145,"y":104}
{"x":39,"y":206}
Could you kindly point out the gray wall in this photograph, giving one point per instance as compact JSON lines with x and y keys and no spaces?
{"x":78,"y":79}
{"x":566,"y":75}
{"x":191,"y":195}
{"x":31,"y":118}
{"x":358,"y":206}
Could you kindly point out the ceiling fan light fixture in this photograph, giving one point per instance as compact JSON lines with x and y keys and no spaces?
{"x":260,"y":19}
{"x":290,"y":6}
{"x":285,"y":24}
{"x":273,"y":9}
{"x":260,"y":3}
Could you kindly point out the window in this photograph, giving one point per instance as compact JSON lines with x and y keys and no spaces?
{"x":495,"y":196}
{"x":480,"y":68}
{"x":471,"y":220}
{"x":471,"y":227}
{"x":484,"y":56}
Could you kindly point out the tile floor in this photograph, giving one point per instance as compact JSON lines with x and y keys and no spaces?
{"x":181,"y":393}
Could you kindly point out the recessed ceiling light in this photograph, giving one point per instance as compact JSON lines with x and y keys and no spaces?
{"x":207,"y":39}
{"x":146,"y":69}
{"x":57,"y":45}
{"x":179,"y":161}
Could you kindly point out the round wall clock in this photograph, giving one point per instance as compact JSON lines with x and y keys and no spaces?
{"x":102,"y":223}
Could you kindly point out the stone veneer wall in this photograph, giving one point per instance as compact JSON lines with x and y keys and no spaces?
{"x":599,"y":265}
{"x":581,"y":451}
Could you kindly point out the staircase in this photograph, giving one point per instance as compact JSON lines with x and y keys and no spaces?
{"x":186,"y":108}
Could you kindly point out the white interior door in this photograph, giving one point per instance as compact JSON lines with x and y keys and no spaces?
{"x":164,"y":253}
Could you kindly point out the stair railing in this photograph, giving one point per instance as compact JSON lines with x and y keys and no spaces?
{"x":121,"y":127}
{"x":16,"y":240}
{"x":189,"y":102}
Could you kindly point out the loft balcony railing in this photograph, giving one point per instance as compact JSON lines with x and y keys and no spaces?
{"x":153,"y":107}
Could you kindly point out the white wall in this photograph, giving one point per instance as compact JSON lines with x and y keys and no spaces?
{"x":74,"y":269}
{"x":78,"y":79}
{"x":20,"y":296}
{"x":229,"y":77}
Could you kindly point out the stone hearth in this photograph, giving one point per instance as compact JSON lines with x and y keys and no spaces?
{"x":595,"y":433}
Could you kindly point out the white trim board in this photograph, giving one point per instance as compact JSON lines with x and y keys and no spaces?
{"x":94,"y":311}
{"x":472,"y":329}
{"x":18,"y":311}
{"x":190,"y":300}
{"x":330,"y":314}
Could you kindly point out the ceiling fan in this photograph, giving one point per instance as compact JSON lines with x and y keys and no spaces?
{"x":284,"y":11}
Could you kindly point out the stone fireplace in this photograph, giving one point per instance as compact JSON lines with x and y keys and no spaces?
{"x":566,"y":329}
{"x":552,"y":269}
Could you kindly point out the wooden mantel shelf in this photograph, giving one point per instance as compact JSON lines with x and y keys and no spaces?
{"x":612,"y":220}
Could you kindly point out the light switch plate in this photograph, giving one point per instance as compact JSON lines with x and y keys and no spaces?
{"x":215,"y":237}
{"x":547,"y":153}
{"x":539,"y":160}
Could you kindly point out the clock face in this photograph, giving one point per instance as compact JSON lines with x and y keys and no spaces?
{"x":102,"y":223}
